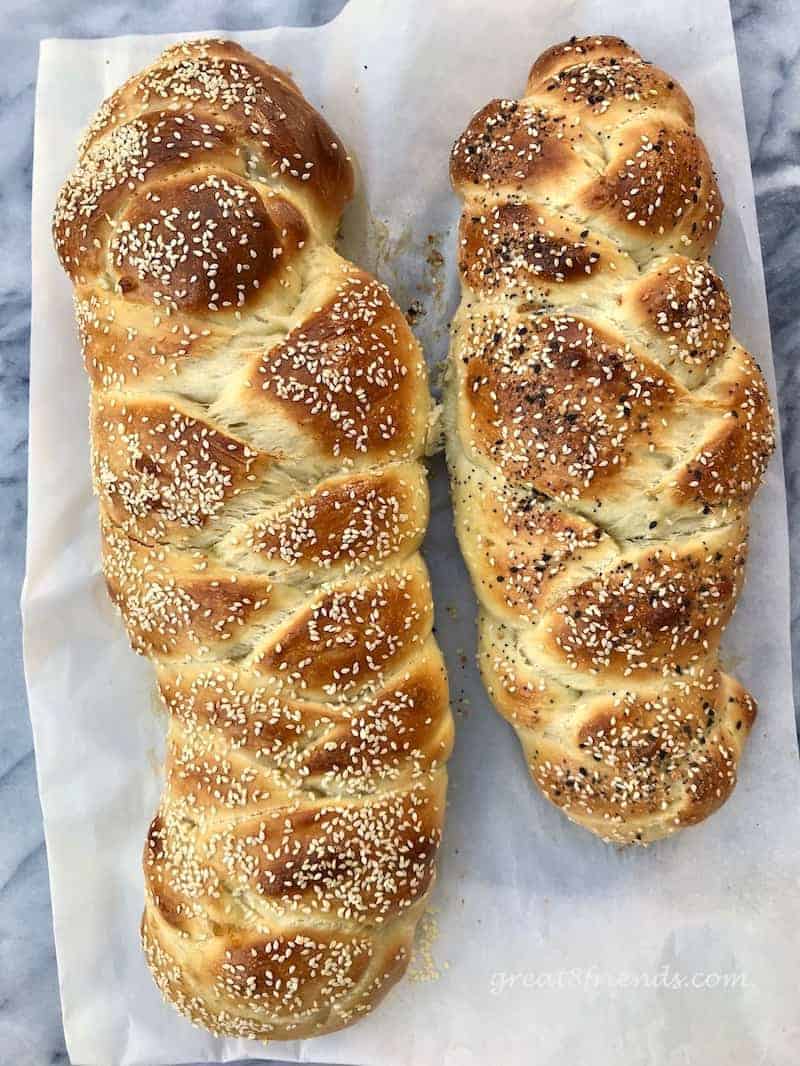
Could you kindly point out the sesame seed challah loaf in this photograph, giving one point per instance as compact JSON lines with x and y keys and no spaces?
{"x":258,"y":415}
{"x":606,"y":434}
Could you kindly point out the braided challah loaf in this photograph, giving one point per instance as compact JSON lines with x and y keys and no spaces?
{"x":606,"y":434}
{"x":258,"y":414}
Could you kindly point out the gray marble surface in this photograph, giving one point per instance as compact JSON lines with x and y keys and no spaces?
{"x":768,"y":41}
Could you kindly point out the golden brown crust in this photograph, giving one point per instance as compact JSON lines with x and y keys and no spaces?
{"x":342,"y":523}
{"x":306,"y":981}
{"x":683,"y":307}
{"x":655,"y":612}
{"x":606,"y":434}
{"x":391,"y":733}
{"x":162,"y":469}
{"x":175,"y":603}
{"x":658,"y":186}
{"x":595,"y":75}
{"x":203,"y":103}
{"x":507,"y":143}
{"x":349,"y":376}
{"x":558,"y":402}
{"x":258,"y":417}
{"x":351,"y":635}
{"x":676,"y":754}
{"x":517,"y":248}
{"x":161,"y":250}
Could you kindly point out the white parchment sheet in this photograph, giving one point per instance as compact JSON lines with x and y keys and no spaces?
{"x":552,"y":947}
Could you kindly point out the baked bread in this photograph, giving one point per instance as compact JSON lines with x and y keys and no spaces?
{"x":606,"y":434}
{"x":259,"y":409}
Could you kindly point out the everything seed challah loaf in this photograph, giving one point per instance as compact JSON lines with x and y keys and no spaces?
{"x":606,"y":434}
{"x":258,"y":413}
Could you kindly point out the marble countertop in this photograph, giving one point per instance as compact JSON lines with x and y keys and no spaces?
{"x":768,"y":42}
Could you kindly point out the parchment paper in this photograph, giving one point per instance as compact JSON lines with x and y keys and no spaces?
{"x":552,"y":947}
